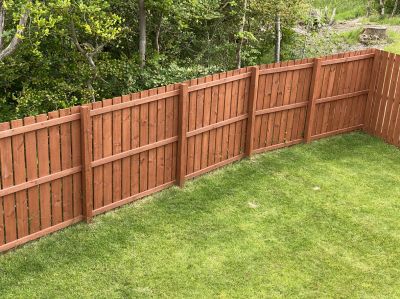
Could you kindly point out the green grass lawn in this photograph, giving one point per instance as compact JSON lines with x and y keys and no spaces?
{"x":319,"y":220}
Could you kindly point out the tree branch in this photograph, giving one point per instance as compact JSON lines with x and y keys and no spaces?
{"x":17,"y":39}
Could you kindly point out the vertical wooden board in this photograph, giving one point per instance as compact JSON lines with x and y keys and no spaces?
{"x":391,"y":123}
{"x":276,"y":81}
{"x":354,"y":102}
{"x":76,"y":161}
{"x":206,"y":122}
{"x":7,"y":180}
{"x":31,"y":174}
{"x":98,"y":180}
{"x":334,"y":109}
{"x":239,"y":111}
{"x":43,"y":163}
{"x":233,"y":113}
{"x":286,"y":100}
{"x":326,"y":114}
{"x":198,"y":124}
{"x":384,"y":95}
{"x":161,"y":128}
{"x":55,"y":166}
{"x":320,"y":107}
{"x":220,"y":117}
{"x":190,"y":127}
{"x":116,"y":149}
{"x":305,"y":97}
{"x":299,"y":98}
{"x":365,"y":68}
{"x":144,"y":140}
{"x":384,"y":70}
{"x":373,"y":94}
{"x":107,"y":151}
{"x":66,"y":163}
{"x":347,"y":71}
{"x":279,"y":102}
{"x":366,"y":80}
{"x":169,"y":126}
{"x":152,"y":168}
{"x":293,"y":98}
{"x":226,"y":113}
{"x":245,"y":110}
{"x":261,"y":95}
{"x":183,"y":103}
{"x":126,"y":146}
{"x":87,"y":156}
{"x":395,"y":138}
{"x":375,"y":75}
{"x":213,"y":120}
{"x":18,"y":153}
{"x":135,"y":160}
{"x":348,"y":103}
{"x":175,"y":133}
{"x":266,"y":103}
{"x":352,"y":87}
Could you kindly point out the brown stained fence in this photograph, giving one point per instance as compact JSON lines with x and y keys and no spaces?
{"x":69,"y":165}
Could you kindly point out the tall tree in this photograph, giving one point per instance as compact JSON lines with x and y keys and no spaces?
{"x":142,"y":33}
{"x":92,"y":26}
{"x":382,"y":7}
{"x":395,"y":6}
{"x":278,"y":37}
{"x":241,"y":37}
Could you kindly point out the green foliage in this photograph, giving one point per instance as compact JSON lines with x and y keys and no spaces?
{"x":394,"y":46}
{"x":75,"y":51}
{"x":310,"y":221}
{"x":351,"y":37}
{"x":346,"y":10}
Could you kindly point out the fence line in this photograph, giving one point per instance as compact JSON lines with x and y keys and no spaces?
{"x":72,"y":164}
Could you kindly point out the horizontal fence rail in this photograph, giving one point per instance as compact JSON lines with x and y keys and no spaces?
{"x":67,"y":166}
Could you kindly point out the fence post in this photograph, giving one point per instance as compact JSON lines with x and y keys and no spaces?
{"x":255,"y":74}
{"x":371,"y":90}
{"x":315,"y":81}
{"x":182,"y":139}
{"x":86,"y":144}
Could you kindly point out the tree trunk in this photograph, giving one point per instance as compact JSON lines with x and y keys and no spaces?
{"x":396,"y":4}
{"x":89,"y":57}
{"x":2,"y":20}
{"x":382,"y":4}
{"x":278,"y":38}
{"x":158,"y":32}
{"x":16,"y":40}
{"x":240,"y":44}
{"x":142,"y":33}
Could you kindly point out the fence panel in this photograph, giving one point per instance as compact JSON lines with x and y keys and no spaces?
{"x":40,"y":169}
{"x":382,"y":116}
{"x":118,"y":150}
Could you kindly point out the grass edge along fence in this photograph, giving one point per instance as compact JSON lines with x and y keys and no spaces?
{"x":67,"y":166}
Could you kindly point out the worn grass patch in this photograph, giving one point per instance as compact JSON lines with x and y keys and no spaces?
{"x":319,"y":220}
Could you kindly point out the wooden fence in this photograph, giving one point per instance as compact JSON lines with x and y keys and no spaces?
{"x":382,"y":115}
{"x":69,"y":165}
